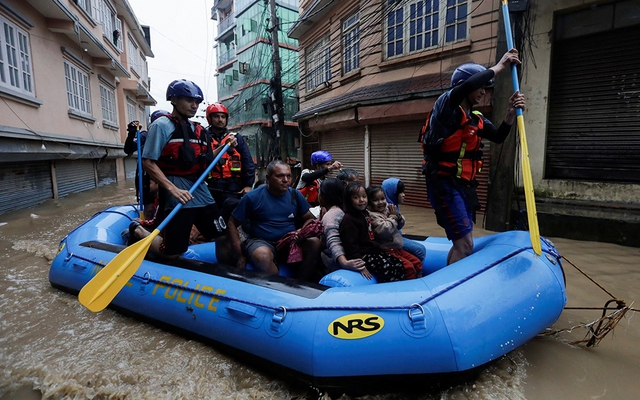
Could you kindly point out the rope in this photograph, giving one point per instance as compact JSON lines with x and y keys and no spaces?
{"x":588,"y":277}
{"x":98,"y":213}
{"x":598,"y":329}
{"x":333,"y":308}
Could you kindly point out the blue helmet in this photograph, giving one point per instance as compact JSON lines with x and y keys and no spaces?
{"x":319,"y":157}
{"x":184,"y":88}
{"x":158,"y":113}
{"x":466,"y":71}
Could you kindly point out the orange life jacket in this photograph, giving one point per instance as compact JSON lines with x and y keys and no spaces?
{"x":310,"y":191}
{"x":188,"y":152}
{"x":458,"y":155}
{"x":230,"y":165}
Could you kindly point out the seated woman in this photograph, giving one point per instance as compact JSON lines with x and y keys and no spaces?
{"x":330,"y":197}
{"x":347,"y":175}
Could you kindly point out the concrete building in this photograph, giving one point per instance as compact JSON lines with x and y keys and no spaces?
{"x":73,"y":73}
{"x":371,"y":70}
{"x":245,"y":69}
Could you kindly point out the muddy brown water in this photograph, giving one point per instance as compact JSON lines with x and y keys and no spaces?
{"x":53,"y":348}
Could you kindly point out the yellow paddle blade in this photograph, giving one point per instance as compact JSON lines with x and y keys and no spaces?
{"x":532,"y":214}
{"x":102,"y":288}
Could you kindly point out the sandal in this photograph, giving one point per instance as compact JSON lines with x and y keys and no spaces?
{"x":132,"y":230}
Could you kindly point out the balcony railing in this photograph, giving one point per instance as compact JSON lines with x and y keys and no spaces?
{"x":227,"y":56}
{"x":226,"y":24}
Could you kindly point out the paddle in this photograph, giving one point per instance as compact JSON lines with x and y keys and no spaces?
{"x":532,"y":215}
{"x":102,"y":288}
{"x":140,"y":174}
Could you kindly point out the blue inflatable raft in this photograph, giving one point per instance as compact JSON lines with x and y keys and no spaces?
{"x":345,"y":330}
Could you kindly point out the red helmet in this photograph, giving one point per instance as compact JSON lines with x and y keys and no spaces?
{"x":216,"y":108}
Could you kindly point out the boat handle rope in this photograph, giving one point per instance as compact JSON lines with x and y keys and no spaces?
{"x":364,"y":308}
{"x":146,"y":278}
{"x":98,"y":213}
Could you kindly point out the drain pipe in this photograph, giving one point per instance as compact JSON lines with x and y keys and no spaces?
{"x":367,"y":157}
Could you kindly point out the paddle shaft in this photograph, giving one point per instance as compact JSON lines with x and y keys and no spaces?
{"x":102,"y":288}
{"x":530,"y":201}
{"x":140,"y":180}
{"x":194,"y":187}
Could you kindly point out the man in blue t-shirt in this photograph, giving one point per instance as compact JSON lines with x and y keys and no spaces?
{"x":266,"y":214}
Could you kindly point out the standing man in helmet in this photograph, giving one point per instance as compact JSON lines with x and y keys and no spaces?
{"x":310,"y":180}
{"x":176,"y":154}
{"x":234,"y":175}
{"x":452,"y":147}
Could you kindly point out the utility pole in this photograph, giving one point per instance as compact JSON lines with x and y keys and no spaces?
{"x":277,"y":107}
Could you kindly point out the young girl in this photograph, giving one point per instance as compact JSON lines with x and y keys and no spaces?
{"x":356,"y":234}
{"x":394,"y":192}
{"x":331,"y":199}
{"x":387,"y":222}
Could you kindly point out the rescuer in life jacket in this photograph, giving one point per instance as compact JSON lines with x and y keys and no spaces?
{"x":234,"y":175}
{"x":451,"y":140}
{"x":310,"y":180}
{"x":130,"y":147}
{"x":176,"y":153}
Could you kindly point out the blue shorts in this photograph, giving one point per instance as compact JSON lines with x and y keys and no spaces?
{"x":453,"y":210}
{"x":251,"y":244}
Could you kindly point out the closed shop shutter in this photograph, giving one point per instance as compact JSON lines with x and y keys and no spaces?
{"x":346,"y":147}
{"x":24,"y":184}
{"x":396,"y":152}
{"x":594,"y":127}
{"x":106,"y":172}
{"x":130,"y":165}
{"x":75,"y":176}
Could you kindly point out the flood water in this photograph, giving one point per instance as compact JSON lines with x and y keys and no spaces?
{"x":52,"y":347}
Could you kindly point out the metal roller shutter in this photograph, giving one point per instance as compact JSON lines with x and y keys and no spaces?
{"x":396,"y":152}
{"x":24,"y":184}
{"x":346,"y":147}
{"x":75,"y":176}
{"x":107,"y":173}
{"x":594,"y":130}
{"x":130,"y":165}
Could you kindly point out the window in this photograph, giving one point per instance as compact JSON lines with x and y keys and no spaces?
{"x":318,"y":63}
{"x":15,"y":58}
{"x":143,"y":68}
{"x":141,"y":116}
{"x":77,"y":89}
{"x":417,"y":25}
{"x":351,"y":43}
{"x":131,"y":111}
{"x":108,"y":101}
{"x":117,"y":35}
{"x":249,"y":25}
{"x":111,"y":24}
{"x":132,"y":55}
{"x":107,"y":19}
